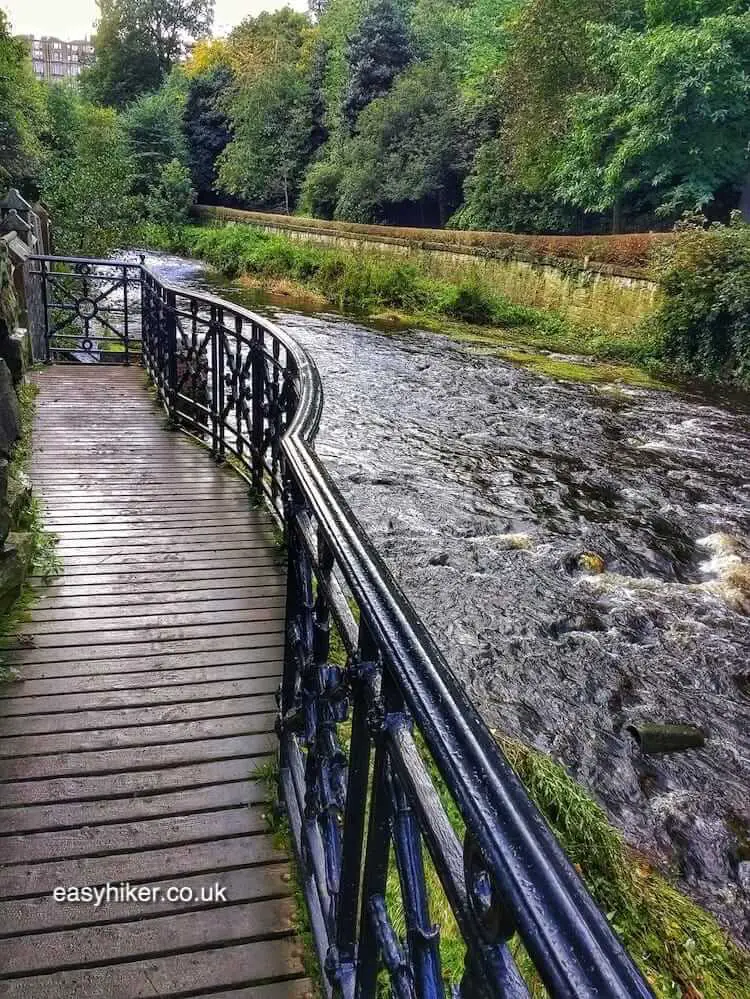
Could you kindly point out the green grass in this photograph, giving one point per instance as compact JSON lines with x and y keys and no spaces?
{"x":680,"y":948}
{"x":43,"y":560}
{"x":267,"y":774}
{"x":376,"y":284}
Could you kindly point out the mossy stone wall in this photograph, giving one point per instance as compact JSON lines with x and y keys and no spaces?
{"x":15,"y":491}
{"x":605,"y":295}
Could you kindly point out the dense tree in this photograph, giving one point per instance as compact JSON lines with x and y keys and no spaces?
{"x":272,"y":126}
{"x":21,"y":110}
{"x":671,"y":124}
{"x":527,"y":115}
{"x":153,"y":129}
{"x":137,"y":42}
{"x":376,"y":53}
{"x":258,"y":44}
{"x":88,"y":186}
{"x":206,"y":125}
{"x":495,"y":199}
{"x":169,"y":200}
{"x":273,"y":110}
{"x":407,"y":160}
{"x":125,"y":65}
{"x":547,"y":63}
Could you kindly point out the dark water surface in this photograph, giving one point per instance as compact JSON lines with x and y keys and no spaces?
{"x":483,"y":485}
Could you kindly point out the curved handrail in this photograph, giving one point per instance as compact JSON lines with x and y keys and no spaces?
{"x":228,"y":374}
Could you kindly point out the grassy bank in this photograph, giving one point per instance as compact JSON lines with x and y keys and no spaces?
{"x":36,"y":547}
{"x":681,"y":949}
{"x":383,"y":287}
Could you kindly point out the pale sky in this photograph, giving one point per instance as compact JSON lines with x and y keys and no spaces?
{"x":69,"y":19}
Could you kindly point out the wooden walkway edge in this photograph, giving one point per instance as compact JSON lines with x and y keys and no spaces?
{"x":145,"y":701}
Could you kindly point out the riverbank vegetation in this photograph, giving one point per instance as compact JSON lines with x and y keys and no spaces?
{"x":543,"y":116}
{"x":520,"y":115}
{"x":534,"y":116}
{"x":387,"y":287}
{"x":681,"y":950}
{"x":34,"y":549}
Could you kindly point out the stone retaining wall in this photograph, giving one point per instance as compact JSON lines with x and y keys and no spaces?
{"x":16,"y":243}
{"x":593,"y":293}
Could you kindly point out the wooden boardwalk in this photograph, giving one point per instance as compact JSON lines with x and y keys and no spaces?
{"x":145,"y":702}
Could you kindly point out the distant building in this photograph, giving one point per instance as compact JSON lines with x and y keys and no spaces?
{"x":55,"y":60}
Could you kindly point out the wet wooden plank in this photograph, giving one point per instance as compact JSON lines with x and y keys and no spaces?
{"x":164,"y":677}
{"x":144,"y":867}
{"x":149,"y":834}
{"x":138,"y":735}
{"x":165,"y":578}
{"x":269,"y":652}
{"x":69,"y":814}
{"x":128,"y":785}
{"x":148,"y":937}
{"x":132,"y":697}
{"x":32,"y":915}
{"x":176,"y":975}
{"x":145,"y":702}
{"x":255,"y":623}
{"x":25,"y":768}
{"x":140,"y":717}
{"x":259,"y":609}
{"x":174,"y":645}
{"x":175,"y":602}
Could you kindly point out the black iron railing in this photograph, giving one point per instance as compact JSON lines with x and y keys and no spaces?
{"x":380,"y":754}
{"x":90,"y":309}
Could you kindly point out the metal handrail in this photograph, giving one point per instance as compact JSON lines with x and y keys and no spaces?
{"x":244,"y":387}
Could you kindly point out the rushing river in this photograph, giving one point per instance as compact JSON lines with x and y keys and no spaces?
{"x":483,"y":485}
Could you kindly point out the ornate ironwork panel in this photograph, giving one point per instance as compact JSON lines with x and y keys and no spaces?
{"x":90,"y":309}
{"x":397,"y":794}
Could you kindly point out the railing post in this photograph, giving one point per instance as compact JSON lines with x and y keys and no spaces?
{"x":169,"y":321}
{"x":355,"y":813}
{"x":375,"y":875}
{"x":258,"y":410}
{"x":45,"y":307}
{"x":217,"y":382}
{"x":125,"y":324}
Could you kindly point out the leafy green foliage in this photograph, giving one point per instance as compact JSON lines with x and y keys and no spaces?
{"x":376,"y":53}
{"x":8,"y":299}
{"x":21,"y":111}
{"x":137,"y":42}
{"x":261,"y":43}
{"x":271,"y":111}
{"x":124,"y":66}
{"x":705,"y":315}
{"x":87,"y":181}
{"x":495,"y":199}
{"x":407,"y":158}
{"x":153,"y":128}
{"x":170,"y":200}
{"x":272,"y":128}
{"x":205,"y":125}
{"x":672,"y":119}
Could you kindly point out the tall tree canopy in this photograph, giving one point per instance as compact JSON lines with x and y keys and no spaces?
{"x":408,"y":158}
{"x":154,"y":136}
{"x":536,"y":115}
{"x":272,"y":110}
{"x":206,"y":125}
{"x":670,"y":124}
{"x":137,"y":42}
{"x":377,"y":52}
{"x":21,"y":110}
